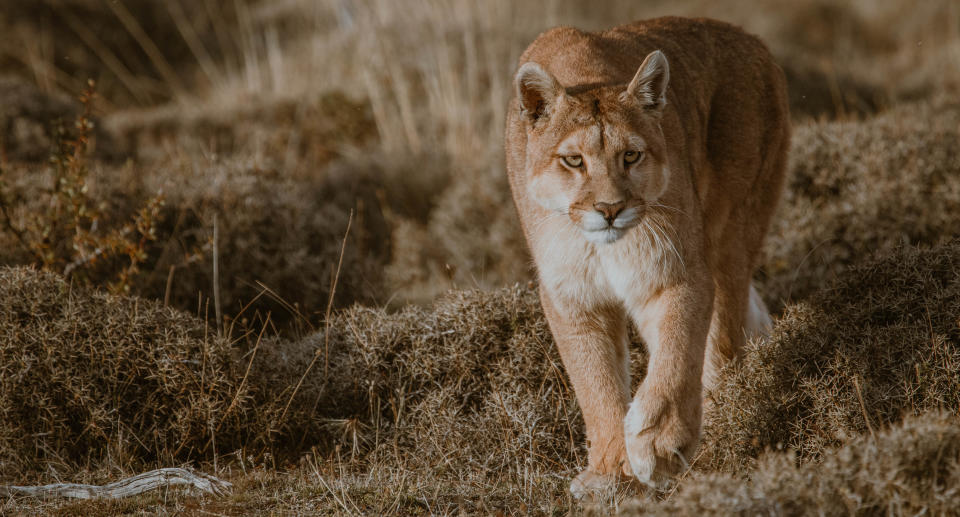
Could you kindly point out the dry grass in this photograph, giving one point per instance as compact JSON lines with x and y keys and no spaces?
{"x":464,"y":406}
{"x":880,"y":342}
{"x":455,"y":395}
{"x":859,"y":189}
{"x":469,"y":393}
{"x":29,"y":119}
{"x":283,"y":231}
{"x":90,"y":379}
{"x":142,"y":52}
{"x":912,"y":468}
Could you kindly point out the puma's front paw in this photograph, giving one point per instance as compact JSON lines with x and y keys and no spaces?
{"x":593,"y":485}
{"x":661,"y":436}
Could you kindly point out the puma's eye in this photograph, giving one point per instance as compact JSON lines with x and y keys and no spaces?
{"x":631,"y":157}
{"x":573,"y":161}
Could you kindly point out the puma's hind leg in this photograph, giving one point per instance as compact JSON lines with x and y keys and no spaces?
{"x":738,"y":310}
{"x":738,"y":314}
{"x":737,"y":318}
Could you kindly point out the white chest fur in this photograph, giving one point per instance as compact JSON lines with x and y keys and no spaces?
{"x":581,"y":274}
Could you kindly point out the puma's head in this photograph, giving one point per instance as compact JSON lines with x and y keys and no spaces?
{"x":596,"y":152}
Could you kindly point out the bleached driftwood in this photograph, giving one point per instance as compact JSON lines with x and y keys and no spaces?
{"x":125,"y":487}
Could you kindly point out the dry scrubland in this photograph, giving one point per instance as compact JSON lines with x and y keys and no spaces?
{"x":428,"y":381}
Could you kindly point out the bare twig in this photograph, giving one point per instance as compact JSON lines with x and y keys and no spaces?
{"x":273,"y":295}
{"x":863,"y":407}
{"x":156,"y":56}
{"x":194,"y":42}
{"x":243,"y":309}
{"x":125,"y":487}
{"x":333,"y":290}
{"x":243,"y":382}
{"x":89,"y":36}
{"x":166,"y":292}
{"x":216,"y":275}
{"x":8,"y":221}
{"x":326,"y":323}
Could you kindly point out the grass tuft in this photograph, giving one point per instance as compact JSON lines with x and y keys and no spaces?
{"x":913,"y":468}
{"x":881,"y":342}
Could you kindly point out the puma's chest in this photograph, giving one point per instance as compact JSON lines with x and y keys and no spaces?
{"x":580,"y":273}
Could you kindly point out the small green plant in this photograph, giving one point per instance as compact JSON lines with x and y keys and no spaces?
{"x":71,"y":234}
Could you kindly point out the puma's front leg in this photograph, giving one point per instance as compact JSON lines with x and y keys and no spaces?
{"x":592,"y":341}
{"x":662,"y":426}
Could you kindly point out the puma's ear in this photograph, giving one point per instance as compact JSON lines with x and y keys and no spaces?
{"x":649,"y":86}
{"x":537,"y":90}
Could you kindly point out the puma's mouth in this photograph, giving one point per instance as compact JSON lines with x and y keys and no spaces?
{"x":600,"y":230}
{"x":606,"y":236}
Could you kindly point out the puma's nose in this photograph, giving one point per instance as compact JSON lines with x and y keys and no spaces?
{"x":609,"y":210}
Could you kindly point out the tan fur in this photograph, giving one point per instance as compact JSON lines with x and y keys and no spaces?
{"x":669,"y":242}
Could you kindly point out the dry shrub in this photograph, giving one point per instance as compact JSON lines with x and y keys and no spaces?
{"x":32,"y":122}
{"x":477,"y":224}
{"x":284,"y":231}
{"x":88,"y":378}
{"x":95,"y":222}
{"x":824,"y":27}
{"x":471,"y":393}
{"x":819,"y":91}
{"x":471,"y":239}
{"x":28,"y":119}
{"x":910,"y":469}
{"x":856,"y":189}
{"x":821,"y":47}
{"x":92,"y":380}
{"x":882,"y":341}
{"x":301,"y":135}
{"x":66,"y":231}
{"x":475,"y":376}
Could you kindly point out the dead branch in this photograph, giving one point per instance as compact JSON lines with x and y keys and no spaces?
{"x":125,"y":487}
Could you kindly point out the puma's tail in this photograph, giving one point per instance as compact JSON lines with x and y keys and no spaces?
{"x":758,"y":322}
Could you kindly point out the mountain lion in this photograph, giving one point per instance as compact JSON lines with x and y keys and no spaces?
{"x":645,"y":163}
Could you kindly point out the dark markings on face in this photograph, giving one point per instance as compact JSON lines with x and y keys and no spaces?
{"x":599,"y":119}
